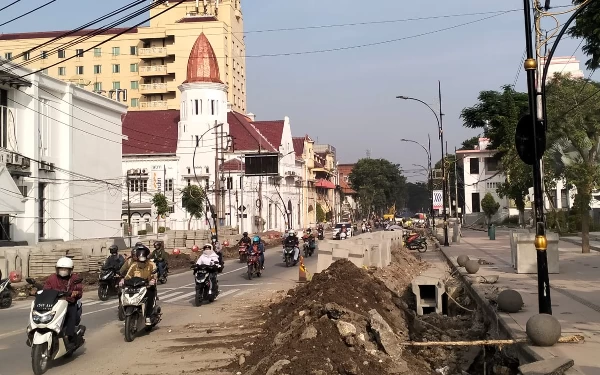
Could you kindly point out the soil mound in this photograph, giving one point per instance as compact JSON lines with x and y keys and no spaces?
{"x":345,"y":321}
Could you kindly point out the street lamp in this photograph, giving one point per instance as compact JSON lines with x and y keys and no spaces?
{"x":429,"y":173}
{"x":441,"y":136}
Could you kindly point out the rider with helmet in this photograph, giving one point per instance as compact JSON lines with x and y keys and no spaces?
{"x":261,"y":250}
{"x":144,"y":269}
{"x":217,"y":247}
{"x":311,"y":239}
{"x":115,"y":260}
{"x":64,"y":281}
{"x":245,"y":240}
{"x":209,"y":258}
{"x":128,"y":262}
{"x":159,"y":255}
{"x":292,"y":241}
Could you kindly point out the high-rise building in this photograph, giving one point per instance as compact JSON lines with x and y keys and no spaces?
{"x":143,"y":66}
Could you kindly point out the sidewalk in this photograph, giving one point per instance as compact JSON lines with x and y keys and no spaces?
{"x":575,"y":294}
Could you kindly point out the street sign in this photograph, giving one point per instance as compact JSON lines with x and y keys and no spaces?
{"x":438,"y":199}
{"x":242,"y":208}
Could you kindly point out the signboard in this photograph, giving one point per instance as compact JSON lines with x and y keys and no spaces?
{"x":438,"y":199}
{"x":266,"y":164}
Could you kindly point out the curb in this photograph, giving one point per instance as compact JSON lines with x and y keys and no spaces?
{"x":574,"y":242}
{"x":523,"y":352}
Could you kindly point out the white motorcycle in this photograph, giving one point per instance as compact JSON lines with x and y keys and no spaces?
{"x":133,"y":300}
{"x":45,"y":333}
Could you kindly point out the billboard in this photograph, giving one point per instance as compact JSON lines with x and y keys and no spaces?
{"x":438,"y":199}
{"x":264,"y":164}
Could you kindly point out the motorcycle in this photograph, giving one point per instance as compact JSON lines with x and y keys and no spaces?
{"x":308,"y":247}
{"x":133,"y":300}
{"x":254,"y":264}
{"x":108,"y":283}
{"x":162,"y":277}
{"x":415,"y":242}
{"x":5,"y":294}
{"x":341,"y":235}
{"x":243,"y":253}
{"x":46,"y":327}
{"x":289,"y":256}
{"x":320,"y":234}
{"x":205,"y":290}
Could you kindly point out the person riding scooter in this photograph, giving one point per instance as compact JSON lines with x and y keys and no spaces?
{"x":292,"y":241}
{"x":159,"y":256}
{"x":209,"y":258}
{"x":145,"y":270}
{"x":312,"y":244}
{"x":115,"y":260}
{"x":261,"y":249}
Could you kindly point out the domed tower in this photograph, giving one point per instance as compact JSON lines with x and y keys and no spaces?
{"x":203,"y":103}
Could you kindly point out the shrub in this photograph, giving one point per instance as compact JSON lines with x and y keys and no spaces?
{"x":142,"y":232}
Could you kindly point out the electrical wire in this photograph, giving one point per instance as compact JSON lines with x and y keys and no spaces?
{"x":27,"y":13}
{"x":9,"y":5}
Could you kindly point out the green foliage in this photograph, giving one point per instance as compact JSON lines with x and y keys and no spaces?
{"x":489,"y":206}
{"x":469,"y":144}
{"x":379,"y":184}
{"x":162,"y":229}
{"x":142,"y":232}
{"x":418,"y":197}
{"x":192,"y":200}
{"x":160,"y":202}
{"x":320,"y":213}
{"x":587,"y":26}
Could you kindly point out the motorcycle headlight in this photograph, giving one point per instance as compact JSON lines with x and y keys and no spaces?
{"x":42,"y":318}
{"x":106,"y":276}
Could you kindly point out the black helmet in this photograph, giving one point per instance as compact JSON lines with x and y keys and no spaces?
{"x":245,"y":234}
{"x":308,"y":230}
{"x":142,"y":253}
{"x":113,"y":249}
{"x":157,"y":245}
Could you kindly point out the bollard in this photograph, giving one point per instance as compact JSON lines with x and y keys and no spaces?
{"x":492,"y":232}
{"x":302,"y":271}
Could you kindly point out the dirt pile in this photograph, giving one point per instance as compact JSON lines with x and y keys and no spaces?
{"x":345,"y":321}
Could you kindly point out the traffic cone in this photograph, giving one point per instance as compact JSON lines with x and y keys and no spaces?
{"x":302,"y":271}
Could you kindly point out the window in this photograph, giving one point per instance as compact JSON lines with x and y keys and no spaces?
{"x":116,"y":51}
{"x":44,"y":54}
{"x":97,"y":69}
{"x":491,"y":164}
{"x":98,"y":86}
{"x":172,"y":209}
{"x":61,"y":54}
{"x":62,"y":71}
{"x":41,"y":210}
{"x":79,"y":70}
{"x":196,"y":106}
{"x":26,"y":55}
{"x":137,"y":185}
{"x":135,"y":102}
{"x":133,"y":50}
{"x":169,"y":184}
{"x":133,"y":68}
{"x":97,"y":52}
{"x":8,"y":55}
{"x":189,"y":182}
{"x":44,"y":130}
{"x":116,"y":68}
{"x":475,"y":203}
{"x":79,"y":52}
{"x":552,"y":197}
{"x":213,"y":107}
{"x":564,"y":198}
{"x":474,"y":166}
{"x":135,"y":85}
{"x":116,"y":85}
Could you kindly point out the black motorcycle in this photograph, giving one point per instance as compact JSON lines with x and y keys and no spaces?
{"x":207,"y":287}
{"x":320,"y":234}
{"x":108,"y":283}
{"x":308,"y":247}
{"x":162,"y":277}
{"x":5,"y":294}
{"x":289,"y":256}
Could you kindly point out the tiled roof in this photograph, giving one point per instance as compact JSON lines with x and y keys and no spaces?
{"x":271,"y":130}
{"x":54,"y":34}
{"x":298,"y":146}
{"x":202,"y":64}
{"x":245,"y":136}
{"x":344,"y":171}
{"x":197,"y":19}
{"x":150,"y":132}
{"x":233,"y":165}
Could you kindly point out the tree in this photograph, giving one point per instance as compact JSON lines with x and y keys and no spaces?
{"x":489,"y":206}
{"x":159,"y":201}
{"x":498,"y":113}
{"x":418,"y":197}
{"x":192,"y":201}
{"x":469,"y":144}
{"x":379,"y":184}
{"x":587,"y":27}
{"x":574,"y":136}
{"x":320,"y":214}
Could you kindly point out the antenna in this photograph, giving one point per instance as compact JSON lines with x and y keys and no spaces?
{"x":368,"y":154}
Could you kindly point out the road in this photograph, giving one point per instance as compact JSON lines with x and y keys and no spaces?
{"x":100,"y":317}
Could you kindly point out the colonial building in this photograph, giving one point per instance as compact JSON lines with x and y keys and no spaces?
{"x":305,"y":154}
{"x":60,"y":160}
{"x":349,"y":206}
{"x":204,"y":144}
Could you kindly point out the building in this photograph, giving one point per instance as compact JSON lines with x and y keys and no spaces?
{"x":60,"y":160}
{"x":327,"y":181}
{"x":349,"y":206}
{"x":304,"y":149}
{"x":144,"y":66}
{"x":204,"y":143}
{"x":563,"y":65}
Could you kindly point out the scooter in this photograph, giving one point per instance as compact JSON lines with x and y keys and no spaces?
{"x":162,"y":277}
{"x":243,"y":254}
{"x":254,"y":263}
{"x":341,"y":235}
{"x":308,"y":247}
{"x":320,"y":234}
{"x":108,"y":283}
{"x":205,"y":290}
{"x":133,"y":300}
{"x":6,"y":293}
{"x":416,"y":242}
{"x":289,"y":256}
{"x":45,"y":333}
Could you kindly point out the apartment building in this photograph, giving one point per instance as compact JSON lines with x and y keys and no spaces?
{"x":142,"y":67}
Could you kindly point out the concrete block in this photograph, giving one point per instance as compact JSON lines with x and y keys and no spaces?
{"x":357,"y":255}
{"x":526,"y":257}
{"x":429,"y":294}
{"x":375,"y":256}
{"x":338,"y":254}
{"x":552,"y":366}
{"x":513,"y":247}
{"x":324,"y":257}
{"x":456,"y":232}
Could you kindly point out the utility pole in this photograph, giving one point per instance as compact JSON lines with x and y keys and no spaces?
{"x":223,"y":184}
{"x":140,"y":184}
{"x":430,"y":184}
{"x":444,"y":182}
{"x":165,"y":180}
{"x":217,"y":182}
{"x":455,"y":182}
{"x":448,"y":185}
{"x":128,"y":211}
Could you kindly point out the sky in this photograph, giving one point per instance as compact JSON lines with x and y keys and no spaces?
{"x":347,"y":97}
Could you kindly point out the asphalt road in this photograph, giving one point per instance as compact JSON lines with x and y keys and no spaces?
{"x":15,"y":358}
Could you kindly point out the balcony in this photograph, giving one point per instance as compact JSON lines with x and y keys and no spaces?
{"x":153,"y":70}
{"x":155,"y":104}
{"x":152,"y":52}
{"x":154,"y":88}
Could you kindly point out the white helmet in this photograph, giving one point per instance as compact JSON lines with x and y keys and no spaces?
{"x":207,"y":247}
{"x":64,"y":266}
{"x":291,"y":232}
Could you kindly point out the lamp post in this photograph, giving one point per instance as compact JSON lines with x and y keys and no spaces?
{"x":429,"y":173}
{"x":441,"y":137}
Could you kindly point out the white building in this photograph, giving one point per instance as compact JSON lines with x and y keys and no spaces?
{"x":563,"y":65}
{"x":60,"y":160}
{"x":203,"y":142}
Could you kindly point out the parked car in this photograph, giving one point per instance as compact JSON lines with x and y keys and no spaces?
{"x":338,"y":227}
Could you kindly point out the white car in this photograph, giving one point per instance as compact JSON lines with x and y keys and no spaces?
{"x":338,"y":227}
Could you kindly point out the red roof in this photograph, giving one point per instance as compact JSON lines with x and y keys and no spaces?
{"x":271,"y":130}
{"x":233,"y":165}
{"x":325,"y":184}
{"x":54,"y":34}
{"x":298,"y":146}
{"x":202,"y":64}
{"x":150,"y":132}
{"x":344,"y":171}
{"x":245,"y":136}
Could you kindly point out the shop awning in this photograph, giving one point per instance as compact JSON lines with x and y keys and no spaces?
{"x":325,"y":184}
{"x":11,"y":199}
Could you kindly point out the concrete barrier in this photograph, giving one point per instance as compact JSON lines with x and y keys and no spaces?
{"x":429,"y":294}
{"x":526,"y":257}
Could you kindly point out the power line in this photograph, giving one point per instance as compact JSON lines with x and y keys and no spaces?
{"x":27,"y":13}
{"x":9,"y":5}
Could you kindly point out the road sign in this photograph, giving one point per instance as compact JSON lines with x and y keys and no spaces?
{"x":242,"y":208}
{"x":438,"y":199}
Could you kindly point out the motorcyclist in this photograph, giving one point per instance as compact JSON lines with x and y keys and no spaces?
{"x":217,"y":247}
{"x":128,"y":262}
{"x":311,"y":239}
{"x":159,"y":256}
{"x":209,"y":258}
{"x":64,"y":281}
{"x":144,"y":269}
{"x":115,"y":260}
{"x":245,"y":240}
{"x":261,"y":250}
{"x":292,"y":241}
